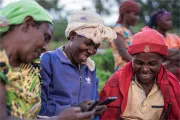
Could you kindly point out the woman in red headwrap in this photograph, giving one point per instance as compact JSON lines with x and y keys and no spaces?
{"x":144,"y":87}
{"x":129,"y":11}
{"x":161,"y":20}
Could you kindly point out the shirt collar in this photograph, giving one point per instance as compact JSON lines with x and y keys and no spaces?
{"x":134,"y":78}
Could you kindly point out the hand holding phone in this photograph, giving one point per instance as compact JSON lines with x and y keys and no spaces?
{"x":93,"y":105}
{"x":108,"y":100}
{"x":104,"y":102}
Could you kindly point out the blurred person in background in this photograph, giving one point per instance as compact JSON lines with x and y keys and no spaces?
{"x":68,"y":73}
{"x":128,"y":13}
{"x":161,"y":20}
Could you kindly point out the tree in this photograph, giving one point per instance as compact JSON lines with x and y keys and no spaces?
{"x":100,"y":7}
{"x":59,"y":24}
{"x":52,"y":7}
{"x":49,"y":4}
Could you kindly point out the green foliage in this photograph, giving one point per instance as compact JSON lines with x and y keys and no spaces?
{"x":104,"y":66}
{"x":101,"y":8}
{"x":137,"y":27}
{"x":103,"y":76}
{"x":108,"y":61}
{"x":59,"y":30}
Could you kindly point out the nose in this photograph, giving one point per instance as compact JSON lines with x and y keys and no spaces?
{"x":145,"y":68}
{"x":92,"y":50}
{"x":44,"y":48}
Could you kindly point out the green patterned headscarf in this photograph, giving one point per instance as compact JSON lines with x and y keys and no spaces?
{"x":16,"y":12}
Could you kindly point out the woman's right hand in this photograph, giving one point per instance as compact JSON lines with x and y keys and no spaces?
{"x":75,"y":113}
{"x":85,"y":105}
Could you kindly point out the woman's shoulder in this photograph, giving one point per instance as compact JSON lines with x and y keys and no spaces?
{"x":172,"y":35}
{"x":172,"y":77}
{"x":113,"y":81}
{"x":50,"y":55}
{"x":120,"y":29}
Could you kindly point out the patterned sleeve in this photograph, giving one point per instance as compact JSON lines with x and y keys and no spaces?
{"x":119,"y":30}
{"x":4,"y":66}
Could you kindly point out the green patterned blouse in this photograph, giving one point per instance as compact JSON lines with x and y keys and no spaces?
{"x":22,"y":88}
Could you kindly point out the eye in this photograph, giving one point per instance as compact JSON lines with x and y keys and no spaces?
{"x":153,"y":63}
{"x":46,"y":38}
{"x":88,"y":43}
{"x":138,"y":62}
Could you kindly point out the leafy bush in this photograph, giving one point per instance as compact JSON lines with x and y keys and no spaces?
{"x":104,"y":66}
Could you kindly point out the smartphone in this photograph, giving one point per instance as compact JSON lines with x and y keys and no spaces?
{"x":93,"y":105}
{"x":108,"y":100}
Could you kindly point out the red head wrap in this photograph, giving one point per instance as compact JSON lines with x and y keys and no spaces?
{"x":128,"y":6}
{"x":148,"y":41}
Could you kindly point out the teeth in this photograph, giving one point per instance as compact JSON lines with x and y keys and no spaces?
{"x":145,"y":75}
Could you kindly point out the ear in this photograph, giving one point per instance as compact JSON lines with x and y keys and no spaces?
{"x":28,"y":21}
{"x":72,"y":36}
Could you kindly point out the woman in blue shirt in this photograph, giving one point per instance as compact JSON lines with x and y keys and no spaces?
{"x":68,"y":73}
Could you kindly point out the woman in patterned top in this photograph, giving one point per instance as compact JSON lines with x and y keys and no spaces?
{"x":129,"y":11}
{"x":25,"y":29}
{"x":24,"y":35}
{"x":161,"y":20}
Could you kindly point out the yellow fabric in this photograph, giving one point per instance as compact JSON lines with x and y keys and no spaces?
{"x":22,"y":89}
{"x":90,"y":25}
{"x":127,"y":35}
{"x":172,"y":41}
{"x":139,"y":107}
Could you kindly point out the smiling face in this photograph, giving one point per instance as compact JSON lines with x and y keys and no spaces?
{"x":81,"y":48}
{"x":34,"y":41}
{"x":146,"y":66}
{"x":164,"y":21}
